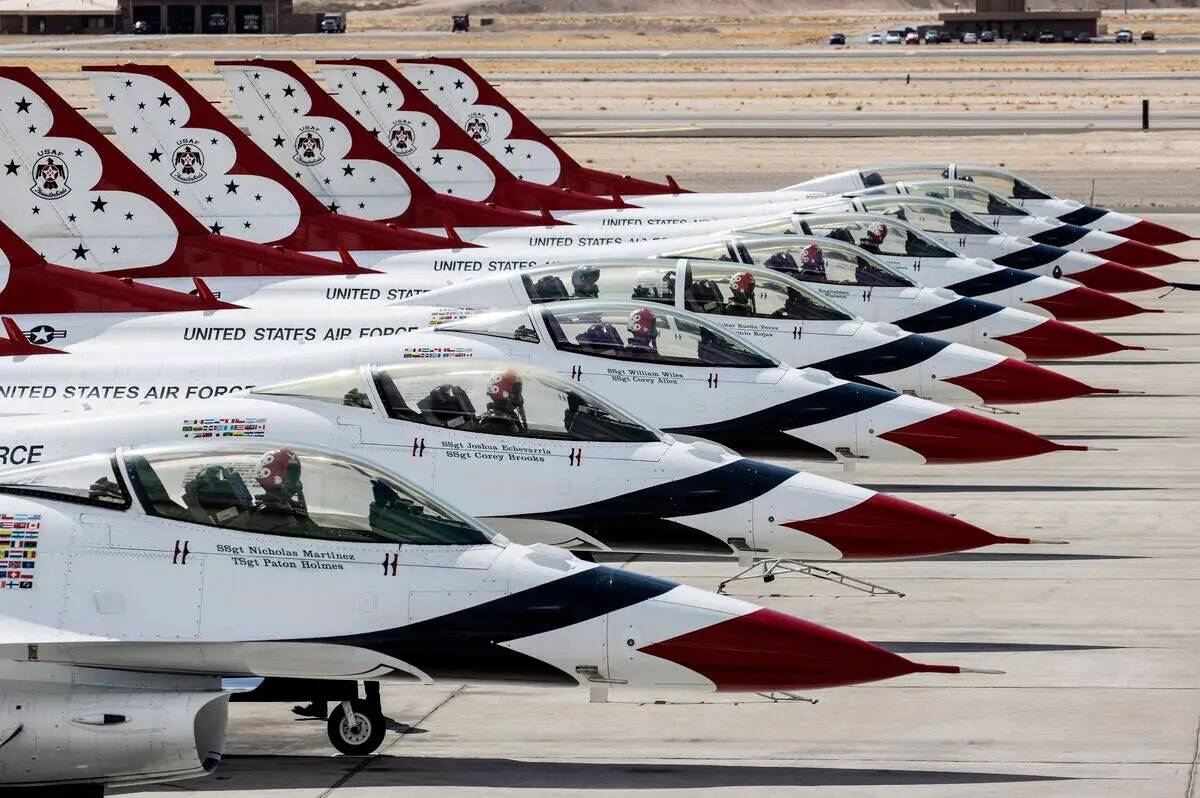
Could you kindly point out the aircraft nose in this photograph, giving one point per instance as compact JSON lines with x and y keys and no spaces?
{"x":1139,"y":255}
{"x":1117,"y":278}
{"x":766,"y":650}
{"x":1055,"y":340}
{"x":1088,"y":304}
{"x":1012,"y":382}
{"x":883,"y":527}
{"x":1147,"y":232}
{"x":961,"y":437}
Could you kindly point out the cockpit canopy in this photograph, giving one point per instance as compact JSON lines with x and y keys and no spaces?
{"x":966,"y":195}
{"x":931,"y":215}
{"x":648,"y":333}
{"x":1006,"y":184}
{"x":258,"y":487}
{"x":461,"y":394}
{"x":511,"y":324}
{"x":708,"y":287}
{"x":874,"y":234}
{"x":504,"y":399}
{"x":821,"y":260}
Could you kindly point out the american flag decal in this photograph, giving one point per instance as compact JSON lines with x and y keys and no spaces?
{"x":18,"y":549}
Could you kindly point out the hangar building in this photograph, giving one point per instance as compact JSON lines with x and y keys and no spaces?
{"x":1010,"y":19}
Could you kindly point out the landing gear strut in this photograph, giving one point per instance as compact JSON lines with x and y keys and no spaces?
{"x":767,"y":570}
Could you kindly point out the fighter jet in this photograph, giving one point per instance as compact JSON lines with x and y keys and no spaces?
{"x":1014,"y":220}
{"x":931,"y":263}
{"x":537,"y":457}
{"x":670,"y":366}
{"x":863,"y":283}
{"x":971,"y":236}
{"x":785,"y":317}
{"x":160,"y":570}
{"x":1033,"y":198}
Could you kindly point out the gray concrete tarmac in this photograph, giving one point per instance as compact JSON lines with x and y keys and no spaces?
{"x":1098,"y":640}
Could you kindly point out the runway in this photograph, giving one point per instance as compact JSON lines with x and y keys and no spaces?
{"x":56,"y":49}
{"x":829,"y":124}
{"x":808,"y":123}
{"x":1097,"y":639}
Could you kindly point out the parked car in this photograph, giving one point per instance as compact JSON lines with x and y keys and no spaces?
{"x":892,"y":38}
{"x":1147,"y":35}
{"x":145,"y":26}
{"x":933,"y":37}
{"x":1124,"y":36}
{"x":970,"y":38}
{"x":837,"y":38}
{"x":1047,"y":37}
{"x":875,"y":38}
{"x":333,"y":23}
{"x":987,"y":36}
{"x":944,"y":37}
{"x":1083,"y":38}
{"x":912,"y":38}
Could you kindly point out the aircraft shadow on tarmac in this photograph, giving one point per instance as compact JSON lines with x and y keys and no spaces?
{"x":901,"y":487}
{"x":319,"y":772}
{"x":963,"y":647}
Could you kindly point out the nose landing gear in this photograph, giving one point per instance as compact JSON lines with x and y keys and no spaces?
{"x":356,"y":727}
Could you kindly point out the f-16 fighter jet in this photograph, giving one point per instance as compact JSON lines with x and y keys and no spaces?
{"x":160,"y":570}
{"x":1033,"y":198}
{"x":672,"y":367}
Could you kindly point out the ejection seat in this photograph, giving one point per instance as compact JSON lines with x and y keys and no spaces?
{"x":548,"y":288}
{"x":704,"y":296}
{"x":448,"y":406}
{"x":601,"y":336}
{"x":217,"y":495}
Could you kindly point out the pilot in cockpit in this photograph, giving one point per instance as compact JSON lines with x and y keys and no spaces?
{"x":874,"y":238}
{"x":505,"y":414}
{"x":741,"y":299}
{"x":812,"y":264}
{"x":281,"y":507}
{"x":643,"y":331}
{"x":585,"y":280}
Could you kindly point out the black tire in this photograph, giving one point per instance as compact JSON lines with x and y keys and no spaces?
{"x":359,"y":735}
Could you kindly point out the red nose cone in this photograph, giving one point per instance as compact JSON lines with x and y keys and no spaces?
{"x":1134,"y":253}
{"x":1117,"y":278}
{"x":1088,"y":304}
{"x":1153,"y":233}
{"x":962,"y":437}
{"x":1014,"y":382}
{"x":886,"y":528}
{"x":768,"y":650}
{"x":1056,"y":340}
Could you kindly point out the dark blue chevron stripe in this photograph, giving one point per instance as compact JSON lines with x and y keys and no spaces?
{"x":765,"y":432}
{"x":1061,"y":236}
{"x":992,"y":282}
{"x":948,"y":316}
{"x":466,"y":645}
{"x":1030,"y":257}
{"x":639,"y":521}
{"x":1083,"y":216}
{"x":895,"y":355}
